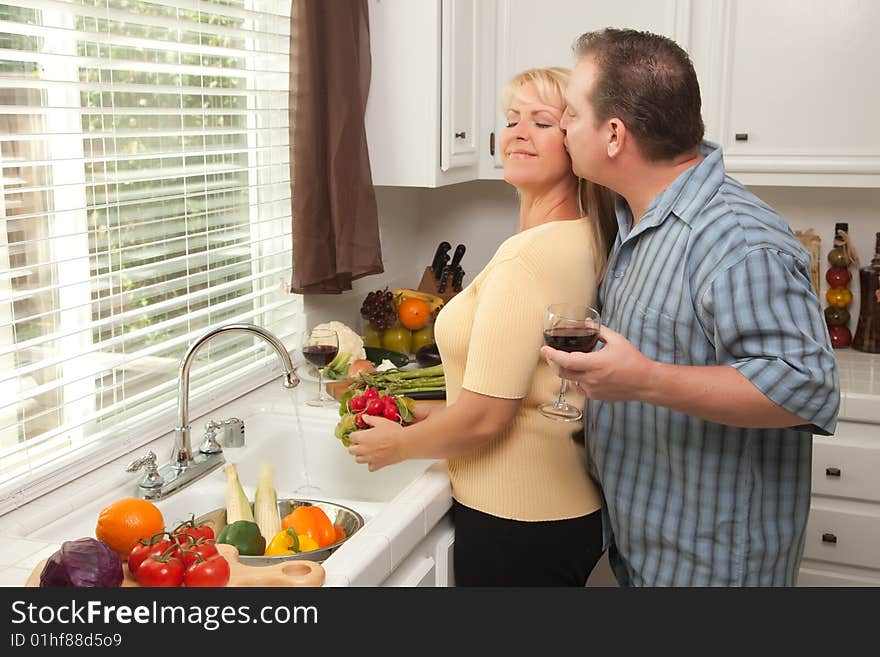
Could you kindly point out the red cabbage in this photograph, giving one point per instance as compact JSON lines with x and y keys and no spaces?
{"x":85,"y":562}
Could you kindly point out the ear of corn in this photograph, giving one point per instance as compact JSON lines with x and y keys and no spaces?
{"x":237,"y":505}
{"x":266,"y":504}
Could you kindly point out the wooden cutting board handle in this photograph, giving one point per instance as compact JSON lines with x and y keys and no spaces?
{"x":294,"y":572}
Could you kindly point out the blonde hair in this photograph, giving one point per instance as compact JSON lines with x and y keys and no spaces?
{"x":594,"y":201}
{"x":550,"y":84}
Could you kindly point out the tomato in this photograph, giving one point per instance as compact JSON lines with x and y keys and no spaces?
{"x":203,"y":548}
{"x":358,"y":403}
{"x":311,"y":521}
{"x":142,"y":551}
{"x":160,"y":571}
{"x":213,"y":571}
{"x":189,"y":531}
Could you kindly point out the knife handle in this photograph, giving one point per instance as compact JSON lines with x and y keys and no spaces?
{"x":441,"y":257}
{"x":457,"y":256}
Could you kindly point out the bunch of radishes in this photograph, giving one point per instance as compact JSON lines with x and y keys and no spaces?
{"x":355,"y":404}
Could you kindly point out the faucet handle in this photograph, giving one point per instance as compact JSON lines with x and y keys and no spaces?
{"x":210,"y":444}
{"x":152,"y":479}
{"x":231,"y":435}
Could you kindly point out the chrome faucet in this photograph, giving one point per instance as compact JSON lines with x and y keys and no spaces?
{"x":185,"y":467}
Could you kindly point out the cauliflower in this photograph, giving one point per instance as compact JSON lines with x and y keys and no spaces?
{"x":351,"y":348}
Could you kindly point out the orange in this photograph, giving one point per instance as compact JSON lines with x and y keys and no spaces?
{"x":122,"y":523}
{"x":413,"y":313}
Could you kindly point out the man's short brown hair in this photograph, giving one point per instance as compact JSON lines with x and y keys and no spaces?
{"x":649,"y":82}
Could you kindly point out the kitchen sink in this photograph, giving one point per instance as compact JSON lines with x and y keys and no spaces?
{"x":308,"y":463}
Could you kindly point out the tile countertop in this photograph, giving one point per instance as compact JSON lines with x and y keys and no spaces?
{"x":859,"y":385}
{"x":382,"y":543}
{"x":387,"y":540}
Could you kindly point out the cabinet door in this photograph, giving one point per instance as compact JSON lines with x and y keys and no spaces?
{"x":796,"y":90}
{"x":460,"y":74}
{"x":537,"y":34}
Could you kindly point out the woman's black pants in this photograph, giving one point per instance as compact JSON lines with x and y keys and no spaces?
{"x":493,"y":551}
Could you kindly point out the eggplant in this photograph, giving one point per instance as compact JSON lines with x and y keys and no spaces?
{"x":428,"y":356}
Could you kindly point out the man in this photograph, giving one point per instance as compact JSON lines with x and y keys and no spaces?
{"x":716,"y":364}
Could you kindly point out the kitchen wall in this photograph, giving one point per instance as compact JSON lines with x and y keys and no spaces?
{"x":482,"y":214}
{"x":398,"y":233}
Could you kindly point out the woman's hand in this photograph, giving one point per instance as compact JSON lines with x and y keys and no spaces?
{"x":378,"y":446}
{"x":422,"y":411}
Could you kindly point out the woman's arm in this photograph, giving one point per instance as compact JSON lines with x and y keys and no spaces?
{"x":470,"y":422}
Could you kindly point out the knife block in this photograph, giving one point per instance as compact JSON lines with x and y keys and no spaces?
{"x":429,"y":285}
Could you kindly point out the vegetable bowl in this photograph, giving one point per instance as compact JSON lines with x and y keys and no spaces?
{"x":349,"y":519}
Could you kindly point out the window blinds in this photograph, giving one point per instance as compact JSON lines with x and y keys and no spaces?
{"x":144,"y":199}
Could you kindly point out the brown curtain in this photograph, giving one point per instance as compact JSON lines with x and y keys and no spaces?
{"x":335,"y":221}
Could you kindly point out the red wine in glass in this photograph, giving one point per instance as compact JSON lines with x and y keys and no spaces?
{"x":570,"y":328}
{"x":320,"y":348}
{"x":320,"y":355}
{"x":572,"y":338}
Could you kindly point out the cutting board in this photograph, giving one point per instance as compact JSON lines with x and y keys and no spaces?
{"x":295,"y":572}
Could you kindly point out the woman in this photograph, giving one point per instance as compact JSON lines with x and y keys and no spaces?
{"x":525,"y":511}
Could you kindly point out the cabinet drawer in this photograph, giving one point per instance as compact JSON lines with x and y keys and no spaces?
{"x":844,"y":536}
{"x":846,"y":470}
{"x":808,"y":576}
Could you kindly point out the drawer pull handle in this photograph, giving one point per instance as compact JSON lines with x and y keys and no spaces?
{"x":829,"y":538}
{"x":832,"y":472}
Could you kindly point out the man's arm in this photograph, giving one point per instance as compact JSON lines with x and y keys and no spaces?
{"x":717,"y":393}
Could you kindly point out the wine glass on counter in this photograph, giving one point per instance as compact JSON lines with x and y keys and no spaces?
{"x":320,"y":348}
{"x":568,"y":327}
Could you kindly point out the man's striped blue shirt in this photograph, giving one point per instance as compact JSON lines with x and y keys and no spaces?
{"x":711,"y":275}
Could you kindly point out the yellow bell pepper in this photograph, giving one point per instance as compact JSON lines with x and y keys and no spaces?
{"x":287,"y":541}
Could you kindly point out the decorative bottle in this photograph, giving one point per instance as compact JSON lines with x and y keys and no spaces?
{"x":868,"y":329}
{"x":839,"y":297}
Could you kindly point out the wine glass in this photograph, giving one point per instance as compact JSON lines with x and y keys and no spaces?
{"x":320,"y":348}
{"x":568,"y":327}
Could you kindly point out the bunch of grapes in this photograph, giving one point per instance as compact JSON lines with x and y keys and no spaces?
{"x":379,"y":310}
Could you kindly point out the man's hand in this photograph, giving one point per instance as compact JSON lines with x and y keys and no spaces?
{"x":617,"y":372}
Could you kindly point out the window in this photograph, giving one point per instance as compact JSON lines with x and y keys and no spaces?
{"x":144,"y":199}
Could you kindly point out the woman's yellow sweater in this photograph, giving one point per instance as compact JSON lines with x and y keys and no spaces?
{"x":489,"y":336}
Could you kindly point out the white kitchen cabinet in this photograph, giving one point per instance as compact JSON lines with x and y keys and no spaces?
{"x":789,"y":89}
{"x":842,"y":546}
{"x":430,"y":562}
{"x":530,"y":34}
{"x":422,"y":110}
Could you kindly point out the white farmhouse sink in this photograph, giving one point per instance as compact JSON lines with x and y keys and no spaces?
{"x":303,"y":452}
